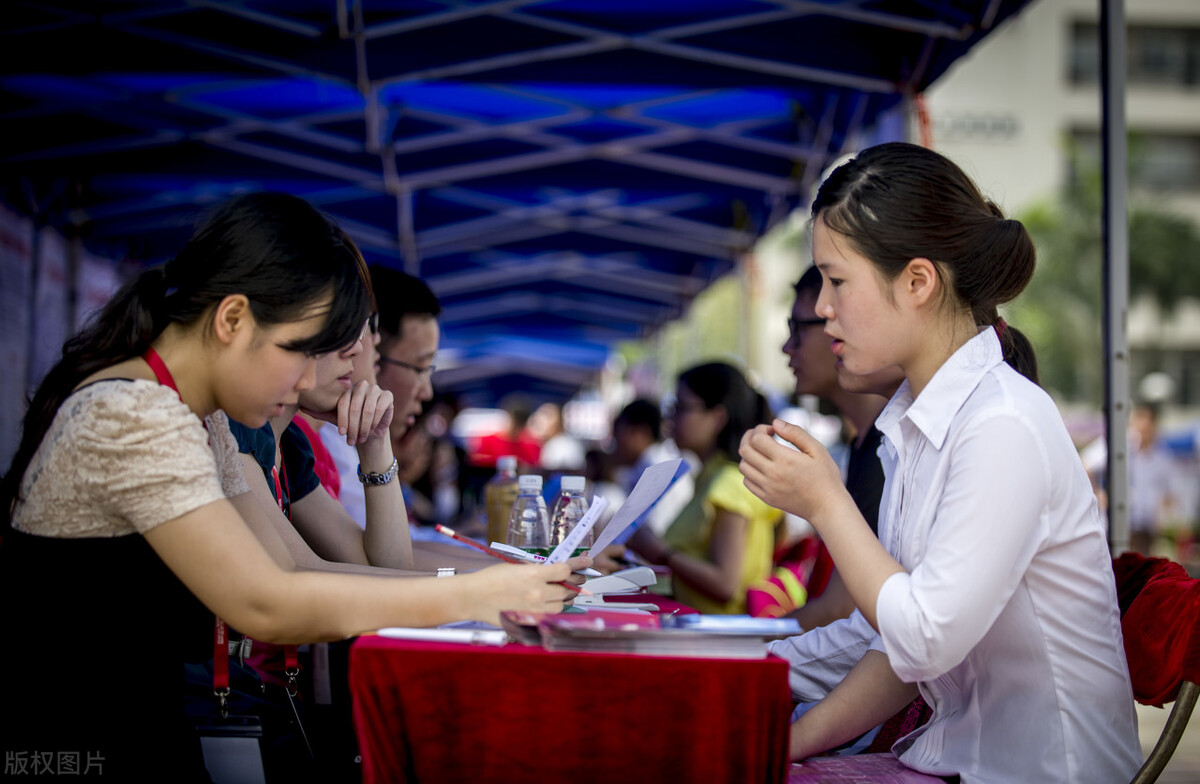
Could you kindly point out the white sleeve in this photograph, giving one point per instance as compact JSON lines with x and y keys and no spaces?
{"x":990,"y":519}
{"x":820,"y":658}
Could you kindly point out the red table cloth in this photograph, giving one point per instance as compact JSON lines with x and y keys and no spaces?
{"x":444,"y":712}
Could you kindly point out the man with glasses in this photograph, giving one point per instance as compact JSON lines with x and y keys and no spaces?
{"x":858,"y":399}
{"x":409,"y":335}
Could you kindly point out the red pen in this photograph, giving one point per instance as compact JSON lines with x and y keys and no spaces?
{"x":441,"y":529}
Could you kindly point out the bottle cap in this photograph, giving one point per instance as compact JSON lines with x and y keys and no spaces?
{"x":529,"y":483}
{"x":507,"y":463}
{"x":573,"y":484}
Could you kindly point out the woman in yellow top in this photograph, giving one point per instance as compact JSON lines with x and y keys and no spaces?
{"x":723,"y":540}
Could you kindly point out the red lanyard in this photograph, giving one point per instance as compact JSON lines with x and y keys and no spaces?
{"x":220,"y":638}
{"x":220,"y":631}
{"x":291,"y":662}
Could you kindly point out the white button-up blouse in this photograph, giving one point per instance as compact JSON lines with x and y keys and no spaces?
{"x":1006,"y":616}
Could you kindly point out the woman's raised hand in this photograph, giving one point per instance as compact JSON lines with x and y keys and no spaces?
{"x":797,"y":476}
{"x":363,"y":411}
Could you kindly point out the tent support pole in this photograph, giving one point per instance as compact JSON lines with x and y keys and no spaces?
{"x":1115,"y":233}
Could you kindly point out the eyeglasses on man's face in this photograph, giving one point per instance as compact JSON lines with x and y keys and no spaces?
{"x":795,"y":325}
{"x":426,"y":371}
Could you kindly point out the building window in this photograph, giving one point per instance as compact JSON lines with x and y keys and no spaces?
{"x":1157,"y":56}
{"x":1162,"y":162}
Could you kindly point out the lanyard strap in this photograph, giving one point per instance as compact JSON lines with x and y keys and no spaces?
{"x":291,"y":662}
{"x":160,"y":369}
{"x":220,"y":630}
{"x":221,"y":663}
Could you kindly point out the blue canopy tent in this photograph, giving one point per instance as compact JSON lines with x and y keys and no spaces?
{"x":565,"y":174}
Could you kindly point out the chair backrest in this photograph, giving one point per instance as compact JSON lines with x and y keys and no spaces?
{"x":1160,"y":621}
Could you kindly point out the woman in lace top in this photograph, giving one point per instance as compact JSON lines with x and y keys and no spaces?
{"x":121,"y":526}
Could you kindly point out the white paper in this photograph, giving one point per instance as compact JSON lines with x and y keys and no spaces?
{"x":649,"y":488}
{"x":468,"y":636}
{"x":520,"y":554}
{"x":567,"y":546}
{"x":517,"y":552}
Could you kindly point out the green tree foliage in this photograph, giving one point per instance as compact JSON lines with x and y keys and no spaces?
{"x":1062,"y":309}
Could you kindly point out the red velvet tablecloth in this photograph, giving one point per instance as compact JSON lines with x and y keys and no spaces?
{"x":445,"y":712}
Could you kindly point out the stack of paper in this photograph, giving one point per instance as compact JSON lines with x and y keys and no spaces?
{"x":737,"y":637}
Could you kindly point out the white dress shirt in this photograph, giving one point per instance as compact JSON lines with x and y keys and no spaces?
{"x":345,"y":457}
{"x":1006,"y":616}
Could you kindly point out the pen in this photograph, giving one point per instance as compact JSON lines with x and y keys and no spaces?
{"x":441,"y":529}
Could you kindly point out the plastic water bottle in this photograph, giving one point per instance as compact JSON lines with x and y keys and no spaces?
{"x":569,"y":508}
{"x":529,"y":523}
{"x":499,"y":495}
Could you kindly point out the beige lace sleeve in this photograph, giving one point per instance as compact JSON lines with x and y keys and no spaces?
{"x":225,"y":451}
{"x":120,"y":457}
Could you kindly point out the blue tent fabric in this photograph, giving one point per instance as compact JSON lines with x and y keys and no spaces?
{"x":568,"y":172}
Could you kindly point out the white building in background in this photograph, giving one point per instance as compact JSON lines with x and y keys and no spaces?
{"x":1006,"y":110}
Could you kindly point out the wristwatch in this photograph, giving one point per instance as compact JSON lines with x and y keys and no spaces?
{"x":379,"y":479}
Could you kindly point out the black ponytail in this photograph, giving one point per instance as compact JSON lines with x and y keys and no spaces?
{"x":897,"y":201}
{"x":276,"y":249}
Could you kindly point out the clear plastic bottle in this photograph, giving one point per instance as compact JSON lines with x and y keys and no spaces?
{"x":499,"y":495}
{"x":529,"y":523}
{"x":569,"y":508}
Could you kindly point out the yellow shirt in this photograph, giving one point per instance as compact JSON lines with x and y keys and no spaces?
{"x":719,"y":486}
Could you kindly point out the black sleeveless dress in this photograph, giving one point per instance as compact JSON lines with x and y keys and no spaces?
{"x":96,"y":635}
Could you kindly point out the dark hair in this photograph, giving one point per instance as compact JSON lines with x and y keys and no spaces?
{"x":899,"y":201}
{"x":398,"y":294}
{"x":809,"y":283}
{"x":1018,"y":352}
{"x":278,"y":250}
{"x":642,"y":413}
{"x":722,"y":384}
{"x":360,"y":264}
{"x":518,"y":406}
{"x":1151,"y":407}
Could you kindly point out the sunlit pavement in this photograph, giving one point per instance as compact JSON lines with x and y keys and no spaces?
{"x":1184,"y":767}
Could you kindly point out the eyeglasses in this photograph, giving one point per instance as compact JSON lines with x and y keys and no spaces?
{"x":373,"y":323}
{"x":795,"y":324}
{"x":420,"y":371}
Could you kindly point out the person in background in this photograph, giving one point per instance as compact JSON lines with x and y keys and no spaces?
{"x":989,"y":590}
{"x":446,"y":480}
{"x":329,"y":538}
{"x":514,"y":439}
{"x":123,"y":506}
{"x":1150,"y":495}
{"x":409,"y":337}
{"x":859,"y":400}
{"x":638,"y":444}
{"x":398,"y":356}
{"x":349,"y":492}
{"x":599,"y":475}
{"x":560,"y":450}
{"x":722,"y":541}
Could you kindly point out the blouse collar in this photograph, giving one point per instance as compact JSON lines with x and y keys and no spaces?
{"x":934,"y":409}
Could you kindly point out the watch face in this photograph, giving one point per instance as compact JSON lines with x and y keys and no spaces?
{"x":379,"y":479}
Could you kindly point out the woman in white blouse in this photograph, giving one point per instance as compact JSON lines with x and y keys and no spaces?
{"x":989,"y":590}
